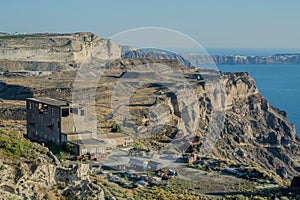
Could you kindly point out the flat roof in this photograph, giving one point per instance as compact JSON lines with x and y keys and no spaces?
{"x":154,"y":162}
{"x":89,"y":142}
{"x":111,"y":135}
{"x":50,"y":101}
{"x":78,"y":133}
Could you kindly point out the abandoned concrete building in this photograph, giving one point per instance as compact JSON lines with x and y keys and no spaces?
{"x":52,"y":120}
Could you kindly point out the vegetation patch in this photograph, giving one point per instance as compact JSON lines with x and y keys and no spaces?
{"x":15,"y":145}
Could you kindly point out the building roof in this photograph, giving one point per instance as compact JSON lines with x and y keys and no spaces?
{"x":154,"y":162}
{"x":78,"y":133}
{"x":89,"y":143}
{"x":49,"y":101}
{"x":112,"y":135}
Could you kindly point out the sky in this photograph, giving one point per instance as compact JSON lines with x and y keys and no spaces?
{"x":213,"y":23}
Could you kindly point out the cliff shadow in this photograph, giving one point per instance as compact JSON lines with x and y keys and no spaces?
{"x":14,"y":92}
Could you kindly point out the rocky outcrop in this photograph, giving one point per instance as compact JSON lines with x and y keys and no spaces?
{"x":38,"y":181}
{"x":256,"y":132}
{"x":45,"y":178}
{"x":160,"y":55}
{"x":54,"y":51}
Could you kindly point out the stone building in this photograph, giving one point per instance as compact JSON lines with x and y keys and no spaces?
{"x":116,"y":139}
{"x":52,"y":120}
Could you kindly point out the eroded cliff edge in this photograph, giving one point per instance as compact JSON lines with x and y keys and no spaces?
{"x":254,"y":132}
{"x":53,"y":52}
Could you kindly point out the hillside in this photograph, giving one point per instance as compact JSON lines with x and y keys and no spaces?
{"x":254,"y":131}
{"x":254,"y":134}
{"x":53,"y":52}
{"x":30,"y":171}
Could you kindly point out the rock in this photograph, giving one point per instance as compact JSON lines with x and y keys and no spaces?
{"x":54,"y":159}
{"x":26,"y":181}
{"x":54,"y":52}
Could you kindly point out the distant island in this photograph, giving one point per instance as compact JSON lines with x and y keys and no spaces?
{"x":274,"y":59}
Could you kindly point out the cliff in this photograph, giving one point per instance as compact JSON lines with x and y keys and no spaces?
{"x":53,"y":51}
{"x":198,"y":60}
{"x":254,"y":132}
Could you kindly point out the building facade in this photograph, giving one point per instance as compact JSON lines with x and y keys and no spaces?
{"x":52,"y":120}
{"x":48,"y":118}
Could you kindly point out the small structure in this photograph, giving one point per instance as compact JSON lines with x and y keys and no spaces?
{"x":189,"y":158}
{"x":138,"y":163}
{"x":232,"y":171}
{"x":52,"y":120}
{"x":155,"y":165}
{"x":116,"y":139}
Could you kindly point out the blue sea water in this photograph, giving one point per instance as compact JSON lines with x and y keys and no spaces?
{"x":280,"y":84}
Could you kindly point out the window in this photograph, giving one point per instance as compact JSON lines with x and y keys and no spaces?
{"x":65,"y":112}
{"x":81,"y":112}
{"x":74,"y":110}
{"x":28,"y":105}
{"x":43,"y":108}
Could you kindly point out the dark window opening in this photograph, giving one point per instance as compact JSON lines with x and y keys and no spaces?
{"x":58,"y":124}
{"x":65,"y":112}
{"x":74,"y":110}
{"x":28,"y":105}
{"x":43,"y":108}
{"x":82,"y":113}
{"x":51,"y":126}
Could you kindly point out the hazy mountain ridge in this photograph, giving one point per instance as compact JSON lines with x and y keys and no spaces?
{"x":205,"y":59}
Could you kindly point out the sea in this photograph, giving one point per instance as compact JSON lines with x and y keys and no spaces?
{"x":279,"y":83}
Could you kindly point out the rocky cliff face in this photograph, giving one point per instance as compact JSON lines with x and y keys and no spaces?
{"x":30,"y":171}
{"x":254,"y":133}
{"x":54,"y":51}
{"x":198,"y":60}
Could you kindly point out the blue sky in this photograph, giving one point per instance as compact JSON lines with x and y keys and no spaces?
{"x":213,"y":23}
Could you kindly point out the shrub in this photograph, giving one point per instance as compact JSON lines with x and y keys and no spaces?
{"x":116,"y":128}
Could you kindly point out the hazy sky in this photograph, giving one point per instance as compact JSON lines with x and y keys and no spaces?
{"x":213,"y":23}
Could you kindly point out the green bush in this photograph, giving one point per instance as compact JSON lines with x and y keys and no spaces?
{"x":116,"y":128}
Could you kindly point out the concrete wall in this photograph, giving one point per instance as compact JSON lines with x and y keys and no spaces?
{"x":79,"y":136}
{"x":43,"y":125}
{"x":71,"y":115}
